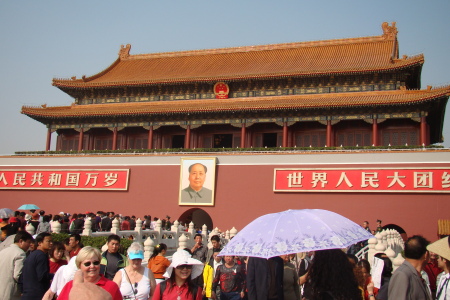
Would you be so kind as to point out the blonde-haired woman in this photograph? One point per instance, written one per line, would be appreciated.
(158, 263)
(135, 280)
(88, 261)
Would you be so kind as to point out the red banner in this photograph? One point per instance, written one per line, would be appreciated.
(50, 179)
(386, 180)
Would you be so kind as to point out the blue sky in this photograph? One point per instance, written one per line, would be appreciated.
(42, 40)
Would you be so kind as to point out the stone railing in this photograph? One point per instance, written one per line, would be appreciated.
(388, 241)
(175, 238)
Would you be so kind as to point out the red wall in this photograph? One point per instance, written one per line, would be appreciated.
(243, 192)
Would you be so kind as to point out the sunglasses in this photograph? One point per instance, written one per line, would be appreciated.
(181, 267)
(88, 263)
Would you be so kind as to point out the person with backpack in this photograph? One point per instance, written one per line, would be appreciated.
(179, 284)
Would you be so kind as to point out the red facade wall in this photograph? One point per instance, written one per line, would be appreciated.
(243, 192)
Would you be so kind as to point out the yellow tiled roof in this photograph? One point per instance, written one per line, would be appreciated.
(299, 102)
(353, 55)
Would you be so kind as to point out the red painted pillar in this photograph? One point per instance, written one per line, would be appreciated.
(285, 135)
(375, 132)
(243, 132)
(423, 131)
(329, 133)
(49, 139)
(114, 145)
(80, 140)
(150, 138)
(187, 141)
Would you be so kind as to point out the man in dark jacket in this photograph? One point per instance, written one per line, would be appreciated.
(112, 261)
(265, 278)
(35, 272)
(107, 222)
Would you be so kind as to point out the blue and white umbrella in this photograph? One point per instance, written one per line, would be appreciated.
(28, 207)
(295, 231)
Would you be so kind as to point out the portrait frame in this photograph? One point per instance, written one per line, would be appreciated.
(186, 195)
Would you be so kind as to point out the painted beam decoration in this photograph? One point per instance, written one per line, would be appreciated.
(65, 179)
(383, 180)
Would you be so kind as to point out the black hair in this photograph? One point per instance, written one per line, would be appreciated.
(158, 249)
(114, 237)
(363, 263)
(338, 280)
(198, 234)
(55, 245)
(215, 238)
(41, 236)
(190, 167)
(46, 218)
(22, 235)
(353, 257)
(76, 236)
(387, 268)
(416, 247)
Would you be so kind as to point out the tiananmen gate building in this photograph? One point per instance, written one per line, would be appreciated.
(354, 92)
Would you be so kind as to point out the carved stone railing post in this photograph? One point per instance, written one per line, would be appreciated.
(158, 229)
(182, 242)
(397, 261)
(205, 234)
(138, 230)
(115, 226)
(233, 232)
(87, 231)
(56, 227)
(371, 252)
(149, 247)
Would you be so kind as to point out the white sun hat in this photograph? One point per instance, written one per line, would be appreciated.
(182, 257)
(441, 247)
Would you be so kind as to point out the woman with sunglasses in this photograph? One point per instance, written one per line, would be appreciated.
(179, 284)
(88, 261)
(135, 280)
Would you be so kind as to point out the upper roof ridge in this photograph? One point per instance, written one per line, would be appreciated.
(241, 49)
(389, 33)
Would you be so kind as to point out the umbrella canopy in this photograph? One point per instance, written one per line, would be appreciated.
(28, 207)
(294, 231)
(6, 213)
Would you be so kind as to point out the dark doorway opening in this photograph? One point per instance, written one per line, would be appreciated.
(197, 216)
(269, 140)
(223, 141)
(178, 141)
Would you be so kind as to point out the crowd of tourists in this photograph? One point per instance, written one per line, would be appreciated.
(35, 267)
(74, 223)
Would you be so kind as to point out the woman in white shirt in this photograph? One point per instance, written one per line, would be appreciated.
(135, 280)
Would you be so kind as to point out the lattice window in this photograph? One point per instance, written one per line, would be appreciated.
(395, 138)
(413, 138)
(403, 138)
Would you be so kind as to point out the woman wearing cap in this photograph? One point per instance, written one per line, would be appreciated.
(179, 286)
(88, 261)
(135, 281)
